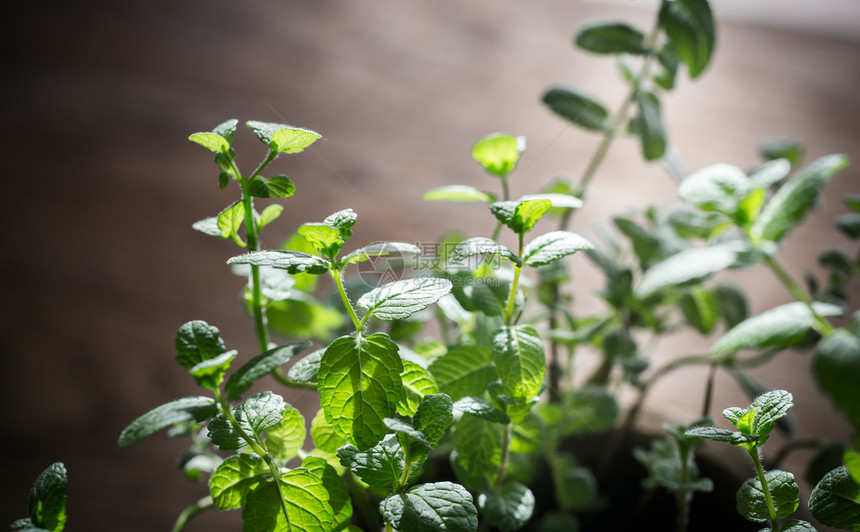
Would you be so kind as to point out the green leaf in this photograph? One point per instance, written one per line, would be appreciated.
(433, 417)
(464, 371)
(292, 261)
(852, 462)
(436, 507)
(779, 327)
(732, 303)
(792, 525)
(520, 216)
(508, 509)
(338, 493)
(197, 341)
(417, 383)
(577, 107)
(284, 439)
(482, 409)
(700, 308)
(610, 38)
(559, 201)
(719, 187)
(254, 415)
(269, 215)
(207, 226)
(768, 408)
(324, 435)
(379, 249)
(688, 265)
(518, 353)
(849, 224)
(782, 148)
(498, 153)
(835, 501)
(837, 368)
(305, 499)
(783, 490)
(718, 434)
(690, 25)
(279, 186)
(380, 466)
(459, 194)
(307, 369)
(588, 410)
(282, 138)
(401, 299)
(210, 373)
(769, 173)
(550, 247)
(795, 198)
(478, 451)
(648, 125)
(303, 317)
(211, 141)
(408, 436)
(237, 475)
(48, 498)
(260, 366)
(343, 221)
(230, 220)
(482, 246)
(324, 238)
(360, 385)
(177, 411)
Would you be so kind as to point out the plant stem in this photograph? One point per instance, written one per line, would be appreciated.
(338, 281)
(203, 504)
(771, 510)
(509, 313)
(252, 236)
(821, 325)
(503, 462)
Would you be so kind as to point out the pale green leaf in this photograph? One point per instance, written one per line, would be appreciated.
(284, 439)
(550, 247)
(324, 435)
(778, 327)
(837, 369)
(577, 107)
(783, 490)
(559, 201)
(508, 509)
(460, 194)
(380, 249)
(769, 173)
(260, 366)
(417, 383)
(518, 353)
(282, 138)
(230, 220)
(436, 507)
(339, 498)
(208, 226)
(719, 187)
(603, 37)
(237, 475)
(305, 499)
(498, 153)
(324, 238)
(360, 385)
(177, 411)
(690, 25)
(211, 141)
(464, 371)
(852, 462)
(401, 299)
(835, 501)
(269, 215)
(688, 265)
(292, 261)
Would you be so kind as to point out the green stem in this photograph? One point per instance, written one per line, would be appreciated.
(279, 376)
(506, 193)
(509, 313)
(771, 509)
(503, 461)
(338, 280)
(252, 236)
(821, 325)
(203, 504)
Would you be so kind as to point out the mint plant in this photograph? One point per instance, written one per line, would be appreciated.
(47, 502)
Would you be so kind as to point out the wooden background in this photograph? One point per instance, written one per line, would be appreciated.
(100, 266)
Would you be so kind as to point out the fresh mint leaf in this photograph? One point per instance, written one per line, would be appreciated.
(550, 247)
(197, 341)
(305, 499)
(795, 198)
(482, 409)
(208, 226)
(768, 408)
(292, 261)
(360, 385)
(783, 490)
(498, 153)
(718, 434)
(518, 353)
(343, 221)
(436, 507)
(560, 201)
(719, 188)
(520, 216)
(648, 125)
(688, 265)
(782, 148)
(792, 525)
(837, 368)
(700, 308)
(417, 383)
(459, 194)
(254, 415)
(732, 303)
(279, 186)
(577, 107)
(690, 25)
(380, 466)
(338, 494)
(307, 369)
(177, 411)
(508, 509)
(401, 299)
(230, 220)
(768, 174)
(324, 238)
(48, 499)
(282, 138)
(218, 140)
(835, 501)
(433, 417)
(380, 249)
(260, 366)
(848, 224)
(781, 326)
(323, 434)
(269, 215)
(478, 451)
(481, 246)
(237, 475)
(464, 371)
(852, 462)
(210, 373)
(285, 438)
(610, 38)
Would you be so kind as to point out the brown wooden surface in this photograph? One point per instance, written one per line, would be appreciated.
(100, 265)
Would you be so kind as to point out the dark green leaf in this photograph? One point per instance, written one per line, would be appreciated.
(519, 356)
(610, 38)
(778, 327)
(835, 501)
(498, 153)
(436, 507)
(305, 499)
(360, 385)
(433, 417)
(464, 371)
(792, 525)
(852, 201)
(783, 490)
(648, 125)
(837, 369)
(282, 138)
(478, 451)
(699, 306)
(237, 475)
(849, 224)
(177, 411)
(550, 247)
(279, 186)
(782, 148)
(508, 509)
(577, 107)
(48, 498)
(259, 366)
(732, 303)
(795, 198)
(292, 261)
(690, 25)
(401, 299)
(688, 265)
(197, 341)
(482, 409)
(307, 369)
(380, 466)
(459, 193)
(717, 434)
(254, 415)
